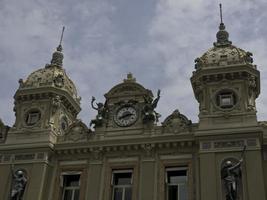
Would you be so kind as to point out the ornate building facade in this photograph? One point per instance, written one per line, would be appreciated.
(124, 154)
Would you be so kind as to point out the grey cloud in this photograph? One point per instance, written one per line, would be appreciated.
(157, 40)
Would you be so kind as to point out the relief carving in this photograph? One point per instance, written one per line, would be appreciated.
(149, 149)
(77, 131)
(59, 80)
(176, 123)
(251, 92)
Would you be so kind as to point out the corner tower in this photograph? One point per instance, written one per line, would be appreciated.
(226, 84)
(45, 103)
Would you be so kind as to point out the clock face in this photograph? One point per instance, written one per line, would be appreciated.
(125, 116)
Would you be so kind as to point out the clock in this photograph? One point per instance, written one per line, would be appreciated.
(125, 116)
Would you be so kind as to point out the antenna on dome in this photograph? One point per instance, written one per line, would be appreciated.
(59, 48)
(221, 13)
(57, 57)
(62, 34)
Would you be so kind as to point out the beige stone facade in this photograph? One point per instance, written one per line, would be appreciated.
(125, 153)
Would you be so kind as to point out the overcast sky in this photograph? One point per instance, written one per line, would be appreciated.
(156, 40)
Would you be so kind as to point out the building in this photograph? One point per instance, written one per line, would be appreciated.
(126, 155)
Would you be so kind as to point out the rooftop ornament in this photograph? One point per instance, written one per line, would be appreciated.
(222, 35)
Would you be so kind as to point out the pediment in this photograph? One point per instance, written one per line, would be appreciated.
(77, 131)
(176, 123)
(127, 89)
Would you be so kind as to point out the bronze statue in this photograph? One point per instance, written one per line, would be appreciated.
(149, 109)
(101, 112)
(19, 181)
(231, 174)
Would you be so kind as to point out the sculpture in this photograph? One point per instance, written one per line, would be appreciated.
(101, 113)
(3, 130)
(231, 174)
(19, 181)
(149, 109)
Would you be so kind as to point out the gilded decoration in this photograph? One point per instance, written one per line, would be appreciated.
(52, 75)
(224, 53)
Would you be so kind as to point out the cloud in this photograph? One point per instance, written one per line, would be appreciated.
(157, 40)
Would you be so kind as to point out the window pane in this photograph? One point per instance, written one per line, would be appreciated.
(122, 178)
(71, 180)
(76, 194)
(179, 176)
(173, 192)
(182, 192)
(226, 100)
(128, 194)
(117, 194)
(67, 194)
(33, 117)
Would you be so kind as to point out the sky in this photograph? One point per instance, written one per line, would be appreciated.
(156, 40)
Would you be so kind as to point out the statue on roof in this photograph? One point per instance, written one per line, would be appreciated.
(149, 108)
(3, 130)
(102, 112)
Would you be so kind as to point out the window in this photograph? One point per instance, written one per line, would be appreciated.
(122, 184)
(63, 124)
(33, 117)
(176, 183)
(71, 186)
(226, 99)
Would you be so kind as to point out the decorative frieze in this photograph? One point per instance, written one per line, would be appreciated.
(24, 157)
(228, 145)
(148, 148)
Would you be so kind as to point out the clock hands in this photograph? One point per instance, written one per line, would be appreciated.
(126, 115)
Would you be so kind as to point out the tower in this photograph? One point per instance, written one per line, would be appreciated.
(46, 103)
(226, 84)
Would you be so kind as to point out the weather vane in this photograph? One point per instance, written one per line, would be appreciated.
(221, 13)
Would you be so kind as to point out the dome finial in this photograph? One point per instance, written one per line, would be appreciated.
(221, 13)
(57, 58)
(222, 35)
(130, 78)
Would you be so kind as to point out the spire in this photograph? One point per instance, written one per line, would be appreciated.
(57, 57)
(222, 35)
